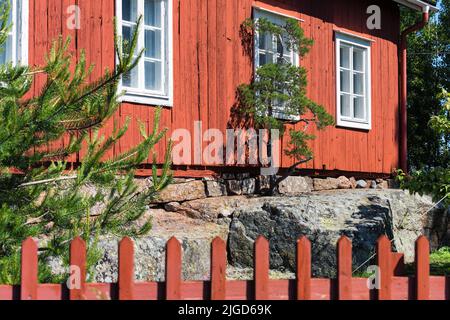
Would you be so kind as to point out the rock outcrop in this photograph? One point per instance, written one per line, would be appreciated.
(360, 215)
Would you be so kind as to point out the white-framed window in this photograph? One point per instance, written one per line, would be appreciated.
(269, 48)
(353, 77)
(151, 81)
(15, 49)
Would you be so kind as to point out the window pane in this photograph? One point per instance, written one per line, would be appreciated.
(152, 13)
(153, 44)
(2, 3)
(345, 81)
(345, 105)
(358, 83)
(359, 108)
(281, 50)
(358, 59)
(153, 75)
(345, 57)
(6, 51)
(129, 10)
(266, 42)
(7, 47)
(265, 58)
(127, 33)
(131, 79)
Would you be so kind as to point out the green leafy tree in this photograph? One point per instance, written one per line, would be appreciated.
(433, 180)
(428, 74)
(41, 196)
(428, 105)
(277, 94)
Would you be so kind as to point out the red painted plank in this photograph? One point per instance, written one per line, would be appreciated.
(439, 288)
(49, 292)
(78, 266)
(303, 269)
(385, 270)
(126, 269)
(237, 290)
(261, 271)
(218, 269)
(422, 269)
(98, 291)
(173, 269)
(321, 289)
(146, 291)
(209, 63)
(29, 270)
(344, 266)
(6, 293)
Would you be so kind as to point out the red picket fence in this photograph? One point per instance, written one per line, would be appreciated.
(345, 287)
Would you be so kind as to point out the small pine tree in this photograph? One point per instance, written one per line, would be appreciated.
(277, 94)
(41, 195)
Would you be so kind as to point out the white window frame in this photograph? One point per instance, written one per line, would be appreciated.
(274, 18)
(365, 44)
(19, 31)
(280, 19)
(141, 95)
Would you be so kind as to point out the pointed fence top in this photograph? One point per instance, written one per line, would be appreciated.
(29, 243)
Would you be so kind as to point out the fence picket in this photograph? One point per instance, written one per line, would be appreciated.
(303, 269)
(420, 287)
(384, 258)
(218, 269)
(29, 270)
(173, 269)
(344, 266)
(261, 268)
(422, 268)
(78, 261)
(126, 269)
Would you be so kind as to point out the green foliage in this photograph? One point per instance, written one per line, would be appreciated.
(41, 195)
(433, 180)
(280, 88)
(440, 262)
(441, 122)
(429, 105)
(428, 74)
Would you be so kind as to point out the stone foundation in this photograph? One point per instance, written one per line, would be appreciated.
(183, 190)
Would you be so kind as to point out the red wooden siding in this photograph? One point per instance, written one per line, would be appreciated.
(209, 63)
(422, 286)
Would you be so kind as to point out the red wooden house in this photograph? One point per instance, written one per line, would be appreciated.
(194, 62)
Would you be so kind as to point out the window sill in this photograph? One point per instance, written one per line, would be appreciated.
(285, 117)
(147, 100)
(354, 125)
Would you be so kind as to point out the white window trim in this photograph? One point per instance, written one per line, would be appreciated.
(19, 31)
(274, 17)
(365, 44)
(147, 97)
(263, 9)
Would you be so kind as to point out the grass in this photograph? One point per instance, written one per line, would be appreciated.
(440, 262)
(439, 265)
